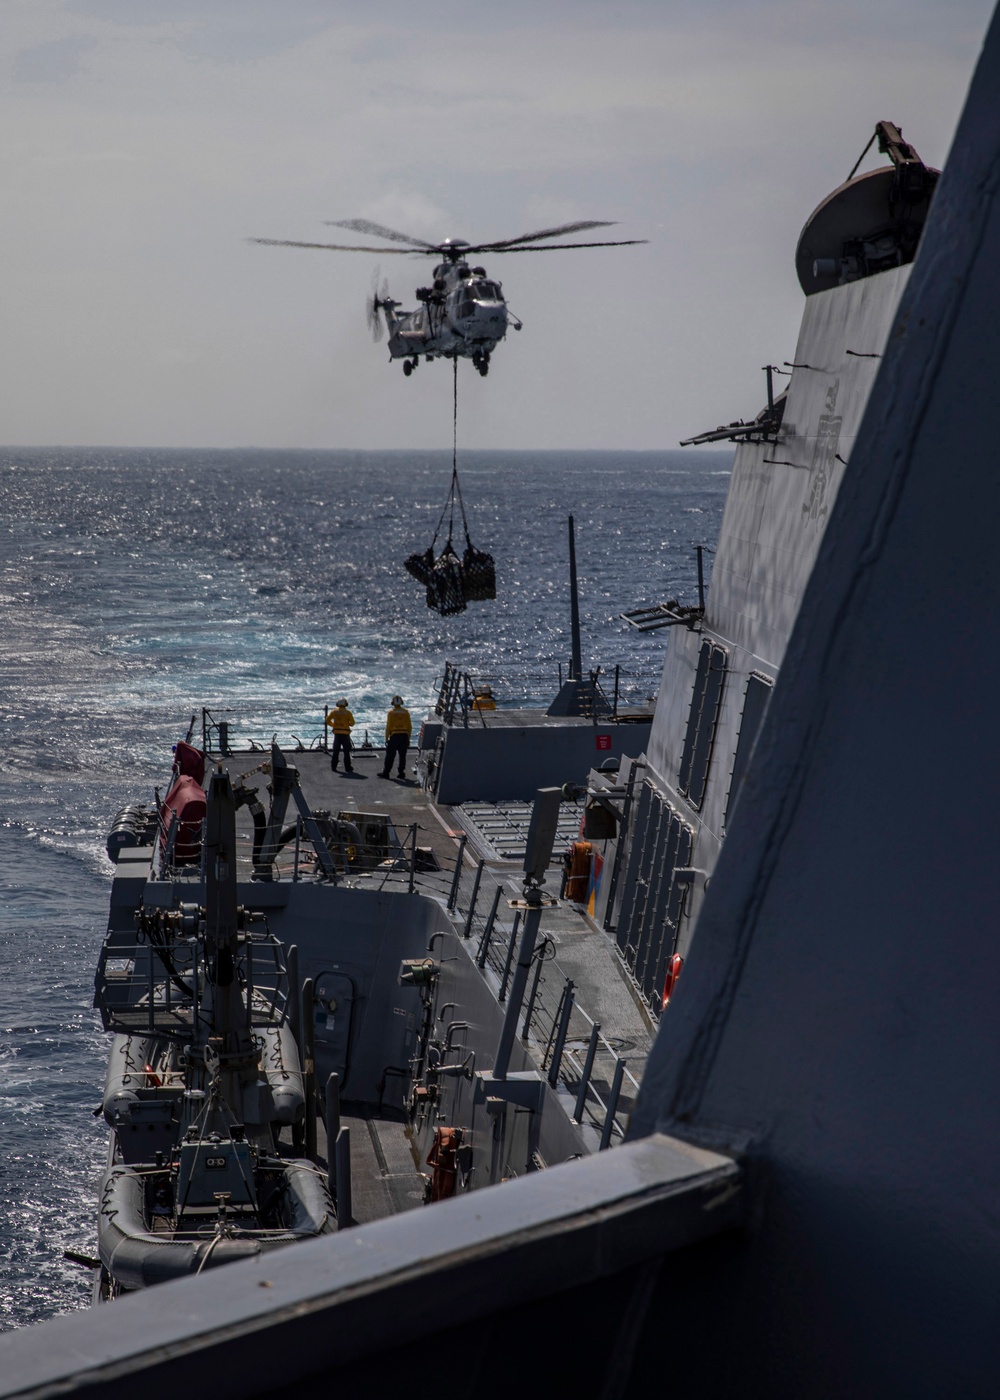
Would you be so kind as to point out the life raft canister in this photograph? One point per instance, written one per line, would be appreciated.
(189, 761)
(670, 980)
(184, 805)
(578, 871)
(443, 1158)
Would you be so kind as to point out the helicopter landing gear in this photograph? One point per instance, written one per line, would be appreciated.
(481, 360)
(408, 367)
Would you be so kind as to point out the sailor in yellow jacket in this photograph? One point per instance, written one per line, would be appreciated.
(398, 728)
(341, 721)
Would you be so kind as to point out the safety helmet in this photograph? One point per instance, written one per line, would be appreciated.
(397, 700)
(341, 704)
(486, 690)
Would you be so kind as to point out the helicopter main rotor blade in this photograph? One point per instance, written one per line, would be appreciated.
(579, 227)
(556, 247)
(380, 231)
(336, 247)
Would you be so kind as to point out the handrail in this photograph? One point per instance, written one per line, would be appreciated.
(548, 1027)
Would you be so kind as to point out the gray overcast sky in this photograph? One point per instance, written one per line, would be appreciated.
(145, 139)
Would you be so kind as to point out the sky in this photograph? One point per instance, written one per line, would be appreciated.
(147, 140)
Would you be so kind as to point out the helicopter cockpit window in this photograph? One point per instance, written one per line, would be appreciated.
(487, 291)
(466, 308)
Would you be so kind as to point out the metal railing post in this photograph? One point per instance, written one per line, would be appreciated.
(309, 1064)
(342, 1154)
(298, 840)
(616, 1088)
(168, 853)
(473, 898)
(293, 1009)
(248, 945)
(588, 1069)
(484, 942)
(540, 959)
(510, 957)
(151, 990)
(413, 855)
(453, 894)
(557, 1049)
(531, 922)
(332, 1131)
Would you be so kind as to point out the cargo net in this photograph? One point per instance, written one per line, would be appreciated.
(453, 582)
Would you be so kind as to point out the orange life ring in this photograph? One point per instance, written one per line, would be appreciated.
(670, 980)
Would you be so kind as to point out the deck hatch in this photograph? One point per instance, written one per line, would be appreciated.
(702, 721)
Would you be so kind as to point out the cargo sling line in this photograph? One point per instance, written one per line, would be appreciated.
(456, 486)
(453, 583)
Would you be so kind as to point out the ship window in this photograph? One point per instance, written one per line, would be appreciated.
(702, 721)
(758, 692)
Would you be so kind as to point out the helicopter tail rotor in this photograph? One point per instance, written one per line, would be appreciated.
(374, 303)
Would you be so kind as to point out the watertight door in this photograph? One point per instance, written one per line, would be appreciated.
(334, 1005)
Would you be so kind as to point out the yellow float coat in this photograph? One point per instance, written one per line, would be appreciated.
(398, 722)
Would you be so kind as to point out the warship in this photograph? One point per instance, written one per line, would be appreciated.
(316, 997)
(783, 869)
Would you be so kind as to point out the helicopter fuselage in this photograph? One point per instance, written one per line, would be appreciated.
(462, 313)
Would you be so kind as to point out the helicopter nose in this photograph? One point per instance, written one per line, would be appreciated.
(490, 315)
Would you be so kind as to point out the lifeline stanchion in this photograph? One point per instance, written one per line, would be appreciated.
(484, 942)
(342, 1153)
(588, 1069)
(332, 1131)
(453, 894)
(557, 1049)
(539, 961)
(293, 1008)
(616, 1088)
(472, 900)
(309, 1065)
(413, 856)
(509, 1029)
(502, 995)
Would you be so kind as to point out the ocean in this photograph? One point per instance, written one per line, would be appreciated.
(140, 585)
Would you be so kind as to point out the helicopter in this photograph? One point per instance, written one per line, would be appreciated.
(463, 312)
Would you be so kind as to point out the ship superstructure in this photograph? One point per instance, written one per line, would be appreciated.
(678, 801)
